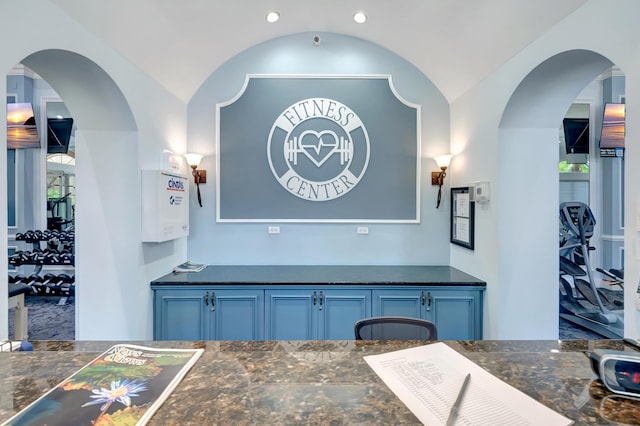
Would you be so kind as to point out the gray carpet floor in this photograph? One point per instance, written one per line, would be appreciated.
(50, 320)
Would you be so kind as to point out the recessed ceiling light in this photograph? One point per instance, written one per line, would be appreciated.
(272, 17)
(360, 17)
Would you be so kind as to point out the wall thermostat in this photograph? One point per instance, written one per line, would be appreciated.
(480, 193)
(618, 370)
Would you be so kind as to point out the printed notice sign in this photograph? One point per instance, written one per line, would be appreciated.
(462, 218)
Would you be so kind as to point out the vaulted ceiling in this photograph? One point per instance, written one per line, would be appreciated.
(455, 43)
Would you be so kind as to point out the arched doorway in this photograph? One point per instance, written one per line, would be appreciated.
(107, 136)
(528, 205)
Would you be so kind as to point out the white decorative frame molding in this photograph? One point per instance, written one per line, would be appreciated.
(393, 89)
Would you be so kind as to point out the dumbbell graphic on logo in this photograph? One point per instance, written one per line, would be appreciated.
(318, 147)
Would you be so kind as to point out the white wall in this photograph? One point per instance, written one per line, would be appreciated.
(513, 309)
(125, 120)
(400, 244)
(632, 200)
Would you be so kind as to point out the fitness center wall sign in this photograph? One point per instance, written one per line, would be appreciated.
(318, 149)
(311, 149)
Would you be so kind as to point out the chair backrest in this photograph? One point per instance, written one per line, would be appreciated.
(395, 328)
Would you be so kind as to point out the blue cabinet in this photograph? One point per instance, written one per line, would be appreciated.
(208, 313)
(310, 313)
(456, 312)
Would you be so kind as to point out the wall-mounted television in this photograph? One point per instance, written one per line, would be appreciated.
(58, 135)
(576, 135)
(612, 136)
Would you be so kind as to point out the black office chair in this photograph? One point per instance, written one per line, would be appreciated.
(395, 328)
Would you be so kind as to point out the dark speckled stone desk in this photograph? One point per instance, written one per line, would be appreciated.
(325, 382)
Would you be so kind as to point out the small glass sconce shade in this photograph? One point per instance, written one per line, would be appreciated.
(193, 159)
(443, 160)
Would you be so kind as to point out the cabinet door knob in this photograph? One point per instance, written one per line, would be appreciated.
(213, 300)
(422, 298)
(314, 298)
(321, 299)
(206, 298)
(429, 301)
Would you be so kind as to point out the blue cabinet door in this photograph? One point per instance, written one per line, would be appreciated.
(291, 314)
(457, 314)
(181, 314)
(339, 310)
(238, 314)
(399, 302)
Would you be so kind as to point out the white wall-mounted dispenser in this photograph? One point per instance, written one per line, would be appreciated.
(165, 206)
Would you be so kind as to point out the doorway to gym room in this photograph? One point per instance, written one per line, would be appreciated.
(41, 211)
(531, 121)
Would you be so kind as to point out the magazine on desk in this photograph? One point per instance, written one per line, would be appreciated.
(428, 380)
(123, 386)
(189, 267)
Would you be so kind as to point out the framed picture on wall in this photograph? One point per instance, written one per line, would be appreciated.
(462, 217)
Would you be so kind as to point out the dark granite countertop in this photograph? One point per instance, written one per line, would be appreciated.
(323, 274)
(325, 382)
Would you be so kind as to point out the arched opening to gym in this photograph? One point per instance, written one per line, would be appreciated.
(560, 88)
(60, 217)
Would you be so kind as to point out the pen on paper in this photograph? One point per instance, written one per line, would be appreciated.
(456, 405)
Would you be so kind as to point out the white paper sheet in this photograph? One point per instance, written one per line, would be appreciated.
(427, 380)
(461, 207)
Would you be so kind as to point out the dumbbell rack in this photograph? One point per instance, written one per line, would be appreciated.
(59, 250)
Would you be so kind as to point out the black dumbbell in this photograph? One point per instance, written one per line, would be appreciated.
(20, 278)
(68, 285)
(57, 284)
(35, 282)
(49, 283)
(67, 258)
(38, 257)
(52, 257)
(29, 236)
(15, 258)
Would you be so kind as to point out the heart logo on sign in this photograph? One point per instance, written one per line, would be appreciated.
(318, 146)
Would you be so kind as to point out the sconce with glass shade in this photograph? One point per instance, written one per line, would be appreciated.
(437, 178)
(199, 176)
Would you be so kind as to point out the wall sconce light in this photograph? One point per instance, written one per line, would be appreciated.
(199, 176)
(437, 178)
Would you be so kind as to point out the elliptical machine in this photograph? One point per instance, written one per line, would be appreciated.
(583, 303)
